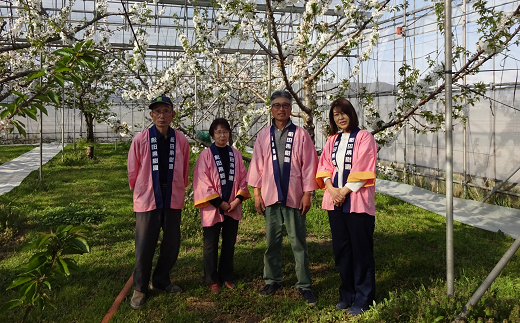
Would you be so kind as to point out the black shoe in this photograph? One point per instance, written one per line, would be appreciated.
(355, 311)
(342, 305)
(270, 289)
(308, 296)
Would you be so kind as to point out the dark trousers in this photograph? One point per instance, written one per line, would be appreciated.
(353, 246)
(214, 274)
(147, 228)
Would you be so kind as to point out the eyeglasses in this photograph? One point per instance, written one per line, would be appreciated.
(163, 112)
(285, 106)
(221, 133)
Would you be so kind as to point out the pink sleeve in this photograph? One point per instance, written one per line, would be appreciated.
(364, 167)
(310, 163)
(325, 166)
(256, 167)
(204, 189)
(133, 163)
(242, 184)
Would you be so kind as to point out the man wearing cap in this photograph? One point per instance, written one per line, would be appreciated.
(158, 163)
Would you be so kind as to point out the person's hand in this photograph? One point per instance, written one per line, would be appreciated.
(234, 205)
(259, 202)
(337, 197)
(305, 203)
(225, 206)
(345, 190)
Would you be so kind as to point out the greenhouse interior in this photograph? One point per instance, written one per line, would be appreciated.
(433, 83)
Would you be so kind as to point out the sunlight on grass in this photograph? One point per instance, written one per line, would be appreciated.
(409, 253)
(8, 153)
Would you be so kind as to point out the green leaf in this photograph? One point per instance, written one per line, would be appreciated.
(4, 114)
(30, 292)
(26, 289)
(64, 52)
(35, 262)
(61, 69)
(63, 266)
(19, 94)
(77, 246)
(53, 97)
(89, 43)
(42, 98)
(78, 46)
(10, 304)
(31, 245)
(77, 76)
(19, 126)
(31, 113)
(89, 59)
(43, 110)
(44, 239)
(47, 284)
(35, 75)
(59, 80)
(19, 281)
(73, 266)
(75, 79)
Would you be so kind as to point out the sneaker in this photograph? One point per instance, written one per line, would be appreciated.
(270, 289)
(229, 284)
(308, 296)
(355, 311)
(172, 288)
(215, 288)
(138, 300)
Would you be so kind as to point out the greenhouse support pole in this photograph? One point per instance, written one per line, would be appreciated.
(464, 125)
(74, 128)
(269, 66)
(489, 279)
(40, 173)
(405, 175)
(62, 127)
(449, 151)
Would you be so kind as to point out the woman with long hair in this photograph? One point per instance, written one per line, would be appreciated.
(347, 170)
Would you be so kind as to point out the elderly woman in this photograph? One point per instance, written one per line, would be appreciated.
(219, 184)
(347, 169)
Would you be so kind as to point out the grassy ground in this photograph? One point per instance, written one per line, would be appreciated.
(8, 153)
(409, 252)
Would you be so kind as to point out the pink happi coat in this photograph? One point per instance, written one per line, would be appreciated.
(363, 168)
(140, 172)
(304, 162)
(206, 186)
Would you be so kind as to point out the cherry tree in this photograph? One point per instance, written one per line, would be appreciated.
(323, 33)
(44, 52)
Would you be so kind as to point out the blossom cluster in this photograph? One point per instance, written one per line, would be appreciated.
(387, 170)
(121, 128)
(4, 127)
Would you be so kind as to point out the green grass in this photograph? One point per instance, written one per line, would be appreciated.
(8, 153)
(409, 252)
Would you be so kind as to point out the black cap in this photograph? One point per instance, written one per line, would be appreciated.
(161, 99)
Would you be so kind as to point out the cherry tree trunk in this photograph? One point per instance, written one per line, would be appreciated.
(309, 100)
(89, 120)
